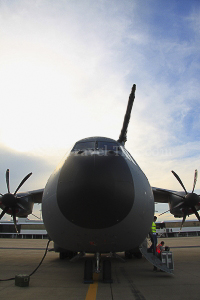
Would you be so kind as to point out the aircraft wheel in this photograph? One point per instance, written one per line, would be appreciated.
(138, 254)
(107, 278)
(128, 254)
(62, 255)
(88, 271)
(71, 254)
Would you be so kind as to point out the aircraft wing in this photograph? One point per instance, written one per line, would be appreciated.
(36, 195)
(180, 203)
(165, 196)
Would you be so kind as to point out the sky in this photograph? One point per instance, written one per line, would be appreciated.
(66, 72)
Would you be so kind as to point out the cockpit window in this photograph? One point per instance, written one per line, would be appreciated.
(96, 145)
(84, 145)
(108, 146)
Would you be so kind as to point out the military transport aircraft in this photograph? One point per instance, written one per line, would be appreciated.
(98, 200)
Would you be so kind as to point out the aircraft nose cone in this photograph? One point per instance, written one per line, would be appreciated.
(94, 191)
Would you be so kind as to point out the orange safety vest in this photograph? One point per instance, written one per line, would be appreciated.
(158, 250)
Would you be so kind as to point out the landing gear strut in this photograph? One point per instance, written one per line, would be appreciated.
(88, 270)
(97, 265)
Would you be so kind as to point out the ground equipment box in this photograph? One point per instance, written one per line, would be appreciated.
(22, 280)
(167, 259)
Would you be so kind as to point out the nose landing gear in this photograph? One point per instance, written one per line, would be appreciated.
(88, 270)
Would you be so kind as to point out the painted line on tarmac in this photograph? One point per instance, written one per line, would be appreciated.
(17, 248)
(92, 290)
(136, 293)
(184, 247)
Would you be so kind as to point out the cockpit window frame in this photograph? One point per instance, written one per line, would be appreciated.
(114, 146)
(97, 145)
(93, 143)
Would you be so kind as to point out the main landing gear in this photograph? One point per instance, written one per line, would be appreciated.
(133, 252)
(67, 254)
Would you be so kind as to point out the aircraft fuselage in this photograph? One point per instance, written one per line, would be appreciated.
(98, 199)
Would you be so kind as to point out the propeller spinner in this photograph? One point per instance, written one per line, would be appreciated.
(190, 200)
(10, 201)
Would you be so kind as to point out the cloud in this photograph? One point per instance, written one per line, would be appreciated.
(20, 164)
(66, 71)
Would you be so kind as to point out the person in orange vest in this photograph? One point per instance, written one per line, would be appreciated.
(160, 248)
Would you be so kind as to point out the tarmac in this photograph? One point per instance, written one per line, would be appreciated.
(62, 279)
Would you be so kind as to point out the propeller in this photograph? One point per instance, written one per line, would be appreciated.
(190, 200)
(10, 201)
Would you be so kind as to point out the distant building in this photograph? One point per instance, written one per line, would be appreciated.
(34, 229)
(172, 228)
(27, 229)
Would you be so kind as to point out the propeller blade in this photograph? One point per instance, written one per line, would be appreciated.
(195, 179)
(36, 216)
(164, 212)
(7, 180)
(22, 182)
(14, 219)
(3, 212)
(179, 205)
(195, 212)
(21, 206)
(184, 217)
(179, 180)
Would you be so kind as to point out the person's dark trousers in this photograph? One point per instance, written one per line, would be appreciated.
(153, 238)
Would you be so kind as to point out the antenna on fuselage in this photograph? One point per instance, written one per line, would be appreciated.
(123, 138)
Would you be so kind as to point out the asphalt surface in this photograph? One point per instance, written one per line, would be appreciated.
(62, 279)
